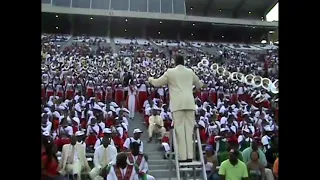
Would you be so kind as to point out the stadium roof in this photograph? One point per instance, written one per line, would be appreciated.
(231, 8)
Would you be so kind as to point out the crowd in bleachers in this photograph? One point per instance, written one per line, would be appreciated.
(89, 98)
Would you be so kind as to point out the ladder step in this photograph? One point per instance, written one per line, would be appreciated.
(193, 163)
(189, 169)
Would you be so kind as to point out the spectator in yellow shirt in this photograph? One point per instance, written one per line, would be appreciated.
(233, 168)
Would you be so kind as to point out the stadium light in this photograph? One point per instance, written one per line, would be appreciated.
(191, 8)
(91, 18)
(126, 20)
(191, 34)
(160, 22)
(57, 16)
(159, 32)
(193, 24)
(222, 36)
(271, 32)
(250, 37)
(249, 12)
(263, 42)
(125, 30)
(57, 27)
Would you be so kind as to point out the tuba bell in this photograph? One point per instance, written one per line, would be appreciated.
(240, 77)
(227, 74)
(214, 67)
(127, 61)
(234, 76)
(152, 72)
(205, 62)
(266, 82)
(220, 70)
(259, 98)
(200, 65)
(248, 79)
(257, 81)
(274, 87)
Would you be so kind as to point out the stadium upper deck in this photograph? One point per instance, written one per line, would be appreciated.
(234, 12)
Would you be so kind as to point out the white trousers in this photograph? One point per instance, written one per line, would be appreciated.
(94, 173)
(269, 174)
(154, 129)
(131, 105)
(73, 169)
(149, 177)
(184, 121)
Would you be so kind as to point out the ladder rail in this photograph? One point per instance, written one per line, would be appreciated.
(201, 154)
(173, 142)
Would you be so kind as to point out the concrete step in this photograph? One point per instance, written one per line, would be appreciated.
(165, 173)
(157, 162)
(157, 166)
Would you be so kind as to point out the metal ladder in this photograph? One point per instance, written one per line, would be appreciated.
(186, 167)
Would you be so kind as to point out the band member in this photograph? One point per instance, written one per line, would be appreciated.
(204, 94)
(119, 94)
(143, 95)
(99, 93)
(180, 80)
(136, 138)
(120, 171)
(109, 93)
(106, 133)
(155, 124)
(213, 94)
(59, 90)
(90, 88)
(43, 91)
(132, 99)
(139, 162)
(73, 159)
(69, 91)
(49, 90)
(103, 155)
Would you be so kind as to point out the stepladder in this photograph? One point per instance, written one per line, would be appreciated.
(187, 170)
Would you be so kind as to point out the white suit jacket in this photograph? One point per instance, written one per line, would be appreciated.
(180, 81)
(81, 154)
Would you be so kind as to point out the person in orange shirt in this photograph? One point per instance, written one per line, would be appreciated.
(276, 168)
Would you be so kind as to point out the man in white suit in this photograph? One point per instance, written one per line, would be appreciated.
(180, 81)
(155, 123)
(103, 155)
(73, 159)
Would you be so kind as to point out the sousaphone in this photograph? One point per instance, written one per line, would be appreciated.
(220, 70)
(240, 77)
(266, 82)
(259, 98)
(227, 74)
(152, 72)
(234, 76)
(205, 62)
(248, 79)
(127, 61)
(257, 81)
(214, 67)
(200, 65)
(274, 87)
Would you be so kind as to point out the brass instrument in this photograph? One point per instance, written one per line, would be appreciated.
(257, 81)
(220, 70)
(227, 74)
(274, 87)
(266, 82)
(205, 62)
(248, 79)
(240, 77)
(234, 76)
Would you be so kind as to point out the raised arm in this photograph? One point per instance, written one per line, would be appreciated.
(196, 81)
(161, 81)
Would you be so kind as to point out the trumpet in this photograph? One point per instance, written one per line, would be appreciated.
(200, 65)
(127, 61)
(257, 81)
(248, 79)
(152, 73)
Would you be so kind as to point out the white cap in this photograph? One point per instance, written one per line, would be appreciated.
(100, 103)
(79, 133)
(268, 128)
(97, 107)
(76, 120)
(46, 133)
(156, 108)
(137, 130)
(223, 129)
(246, 130)
(61, 107)
(107, 130)
(114, 104)
(201, 123)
